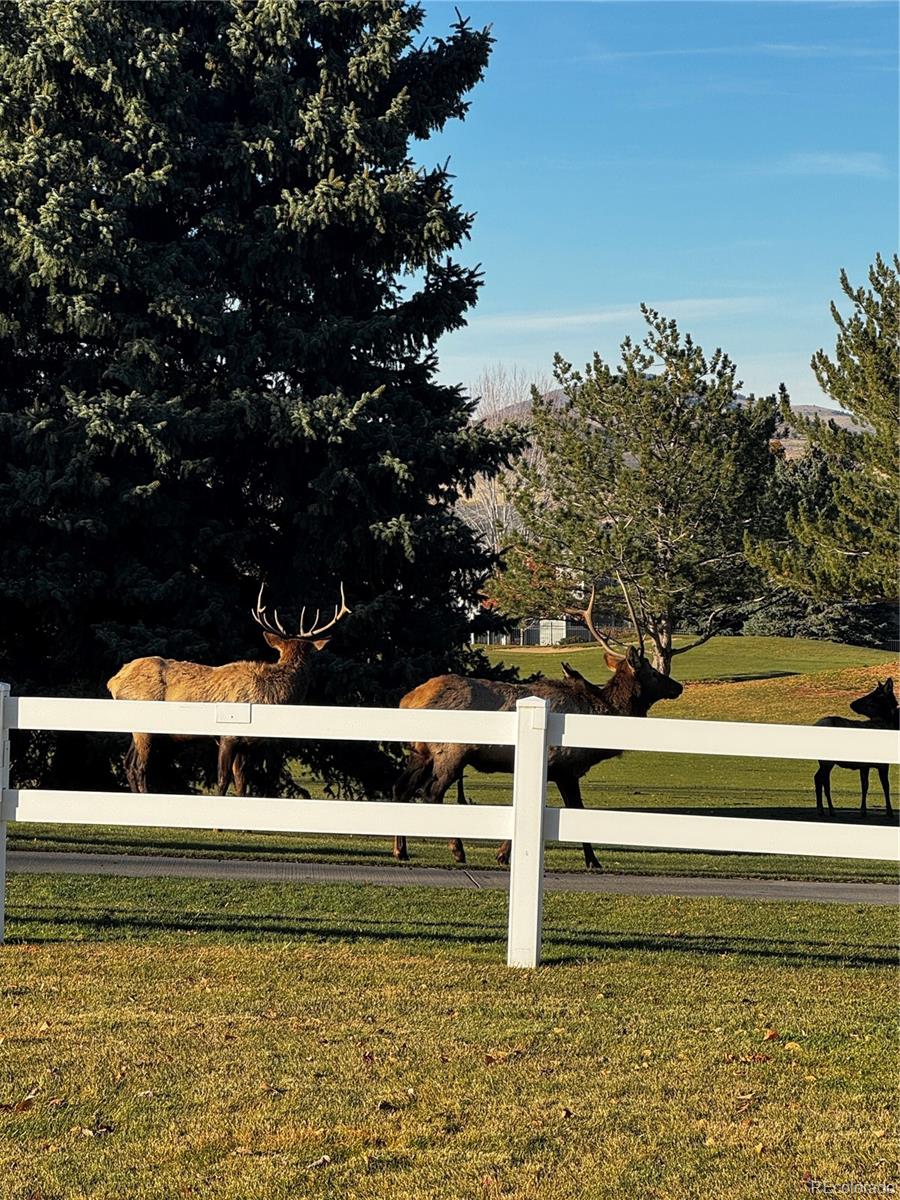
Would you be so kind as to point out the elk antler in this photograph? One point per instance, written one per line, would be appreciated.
(339, 611)
(631, 613)
(275, 626)
(587, 615)
(259, 616)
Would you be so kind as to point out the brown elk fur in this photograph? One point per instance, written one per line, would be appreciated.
(433, 766)
(283, 682)
(881, 711)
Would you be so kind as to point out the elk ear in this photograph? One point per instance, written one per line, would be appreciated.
(570, 672)
(613, 661)
(321, 643)
(273, 640)
(633, 658)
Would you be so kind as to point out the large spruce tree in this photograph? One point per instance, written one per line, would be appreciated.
(647, 474)
(843, 542)
(222, 278)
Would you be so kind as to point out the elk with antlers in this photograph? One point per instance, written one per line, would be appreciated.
(433, 766)
(283, 682)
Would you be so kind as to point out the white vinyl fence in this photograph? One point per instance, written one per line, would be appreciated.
(531, 729)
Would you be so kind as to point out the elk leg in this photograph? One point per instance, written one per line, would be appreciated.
(447, 767)
(239, 773)
(457, 849)
(418, 769)
(571, 797)
(137, 761)
(863, 787)
(227, 755)
(885, 777)
(822, 780)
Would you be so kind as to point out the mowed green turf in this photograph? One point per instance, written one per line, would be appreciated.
(163, 1038)
(721, 658)
(685, 783)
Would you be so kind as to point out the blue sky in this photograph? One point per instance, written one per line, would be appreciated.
(721, 161)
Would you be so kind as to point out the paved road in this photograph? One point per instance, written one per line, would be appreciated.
(396, 875)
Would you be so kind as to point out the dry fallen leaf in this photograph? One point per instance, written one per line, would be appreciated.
(771, 1035)
(319, 1162)
(22, 1105)
(792, 1046)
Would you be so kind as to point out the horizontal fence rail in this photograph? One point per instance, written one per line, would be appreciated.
(751, 835)
(300, 721)
(531, 730)
(735, 739)
(260, 813)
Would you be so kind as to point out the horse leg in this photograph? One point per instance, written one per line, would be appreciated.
(570, 791)
(863, 787)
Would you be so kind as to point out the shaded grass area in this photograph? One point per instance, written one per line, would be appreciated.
(709, 785)
(241, 1041)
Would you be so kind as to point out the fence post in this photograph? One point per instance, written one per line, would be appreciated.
(4, 788)
(526, 878)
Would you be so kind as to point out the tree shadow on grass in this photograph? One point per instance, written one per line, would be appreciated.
(561, 946)
(166, 847)
(846, 816)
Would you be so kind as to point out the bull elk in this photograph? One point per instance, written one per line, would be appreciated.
(433, 766)
(881, 711)
(283, 682)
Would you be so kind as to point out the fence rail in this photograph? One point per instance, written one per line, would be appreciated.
(532, 730)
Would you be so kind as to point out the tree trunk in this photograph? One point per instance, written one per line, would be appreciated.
(662, 646)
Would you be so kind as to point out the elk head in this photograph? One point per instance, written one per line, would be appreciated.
(632, 670)
(289, 643)
(878, 705)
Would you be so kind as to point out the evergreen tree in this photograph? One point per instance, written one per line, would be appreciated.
(648, 474)
(842, 543)
(222, 278)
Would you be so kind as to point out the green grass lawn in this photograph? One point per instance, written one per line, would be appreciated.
(684, 783)
(720, 658)
(164, 1038)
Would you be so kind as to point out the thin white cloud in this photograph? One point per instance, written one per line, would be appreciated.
(861, 163)
(767, 49)
(683, 309)
(812, 50)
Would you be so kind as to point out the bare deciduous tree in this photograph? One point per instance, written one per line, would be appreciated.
(504, 395)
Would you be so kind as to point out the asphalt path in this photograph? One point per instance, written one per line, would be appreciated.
(138, 866)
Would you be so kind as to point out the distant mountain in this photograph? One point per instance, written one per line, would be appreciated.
(791, 437)
(794, 440)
